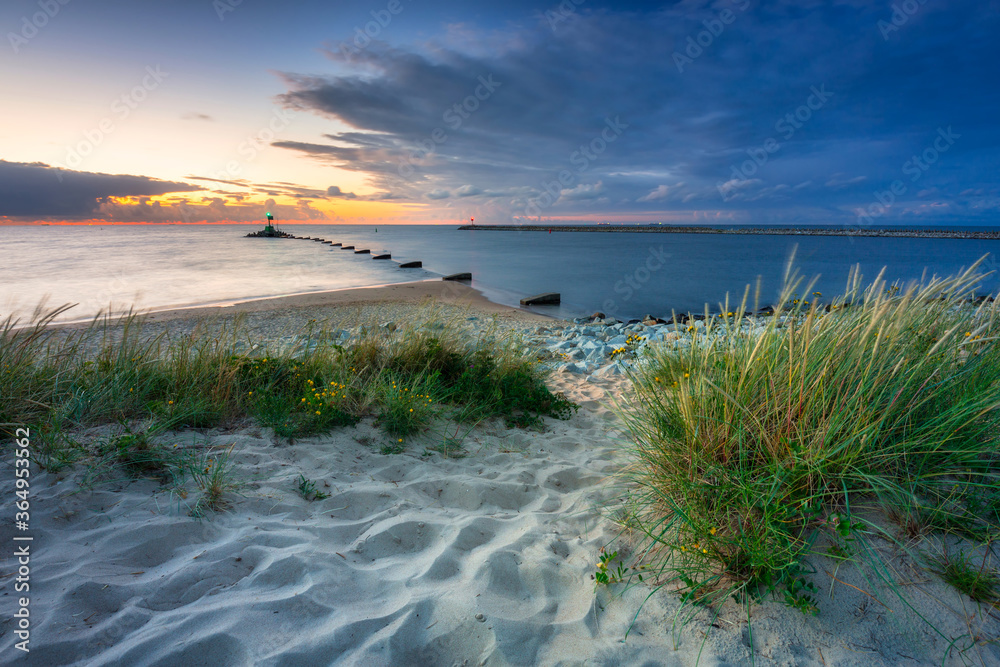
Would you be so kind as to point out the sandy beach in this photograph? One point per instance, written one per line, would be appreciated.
(418, 558)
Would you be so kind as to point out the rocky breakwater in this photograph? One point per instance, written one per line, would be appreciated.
(605, 348)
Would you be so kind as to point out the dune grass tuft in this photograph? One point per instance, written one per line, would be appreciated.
(751, 447)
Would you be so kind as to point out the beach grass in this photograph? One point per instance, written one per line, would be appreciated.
(431, 371)
(757, 450)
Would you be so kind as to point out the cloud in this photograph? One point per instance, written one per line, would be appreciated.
(662, 192)
(840, 181)
(582, 192)
(37, 191)
(422, 120)
(193, 115)
(335, 192)
(468, 191)
(438, 194)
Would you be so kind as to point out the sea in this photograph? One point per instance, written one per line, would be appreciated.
(625, 275)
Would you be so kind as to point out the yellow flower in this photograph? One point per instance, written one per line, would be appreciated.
(687, 375)
(711, 531)
(318, 412)
(171, 402)
(411, 409)
(401, 440)
(704, 551)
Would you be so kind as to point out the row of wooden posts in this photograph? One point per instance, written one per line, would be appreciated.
(549, 298)
(365, 251)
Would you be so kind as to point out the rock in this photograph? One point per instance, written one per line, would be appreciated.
(388, 326)
(458, 276)
(610, 322)
(363, 251)
(384, 256)
(597, 316)
(573, 368)
(548, 298)
(411, 265)
(610, 370)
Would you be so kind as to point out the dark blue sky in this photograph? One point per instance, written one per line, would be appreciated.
(848, 112)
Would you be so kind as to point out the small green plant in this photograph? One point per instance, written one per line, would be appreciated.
(211, 471)
(308, 490)
(978, 582)
(54, 449)
(449, 447)
(606, 575)
(407, 407)
(137, 454)
(395, 447)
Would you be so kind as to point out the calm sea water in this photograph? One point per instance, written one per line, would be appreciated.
(622, 274)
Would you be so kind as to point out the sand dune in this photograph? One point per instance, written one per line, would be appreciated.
(419, 559)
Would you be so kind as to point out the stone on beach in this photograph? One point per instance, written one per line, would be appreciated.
(548, 298)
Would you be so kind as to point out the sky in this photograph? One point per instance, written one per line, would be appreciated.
(735, 112)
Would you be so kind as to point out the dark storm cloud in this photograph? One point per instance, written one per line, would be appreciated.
(36, 190)
(784, 110)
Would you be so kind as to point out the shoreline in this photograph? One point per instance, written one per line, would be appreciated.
(323, 305)
(756, 231)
